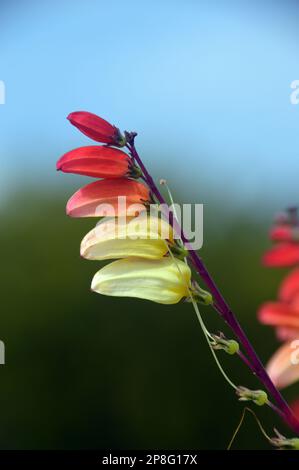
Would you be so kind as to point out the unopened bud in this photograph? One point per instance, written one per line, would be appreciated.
(284, 233)
(282, 442)
(259, 397)
(230, 346)
(200, 295)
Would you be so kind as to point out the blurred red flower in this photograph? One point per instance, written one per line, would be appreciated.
(282, 255)
(282, 370)
(281, 233)
(284, 314)
(289, 287)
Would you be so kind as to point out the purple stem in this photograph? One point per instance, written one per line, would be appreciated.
(224, 310)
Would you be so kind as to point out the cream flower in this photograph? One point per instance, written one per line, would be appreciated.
(164, 281)
(144, 236)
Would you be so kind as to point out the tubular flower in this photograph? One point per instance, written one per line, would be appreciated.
(144, 236)
(109, 197)
(284, 314)
(283, 254)
(290, 286)
(283, 367)
(164, 281)
(284, 317)
(284, 233)
(96, 161)
(96, 128)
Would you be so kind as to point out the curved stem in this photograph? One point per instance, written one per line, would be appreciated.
(203, 326)
(205, 332)
(240, 424)
(222, 307)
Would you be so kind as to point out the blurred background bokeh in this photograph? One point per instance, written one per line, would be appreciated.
(207, 86)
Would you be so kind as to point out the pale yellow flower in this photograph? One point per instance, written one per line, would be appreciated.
(165, 281)
(144, 236)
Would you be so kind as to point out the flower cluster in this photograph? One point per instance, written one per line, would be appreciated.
(283, 314)
(149, 259)
(152, 254)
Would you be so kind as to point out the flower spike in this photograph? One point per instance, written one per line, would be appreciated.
(150, 269)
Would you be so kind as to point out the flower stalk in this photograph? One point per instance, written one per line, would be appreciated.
(142, 269)
(220, 305)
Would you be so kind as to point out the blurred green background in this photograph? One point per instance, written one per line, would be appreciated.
(207, 86)
(86, 371)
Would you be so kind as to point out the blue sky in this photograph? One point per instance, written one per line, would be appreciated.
(205, 83)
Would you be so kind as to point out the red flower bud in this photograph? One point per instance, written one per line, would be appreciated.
(282, 233)
(290, 286)
(102, 198)
(96, 161)
(96, 128)
(282, 255)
